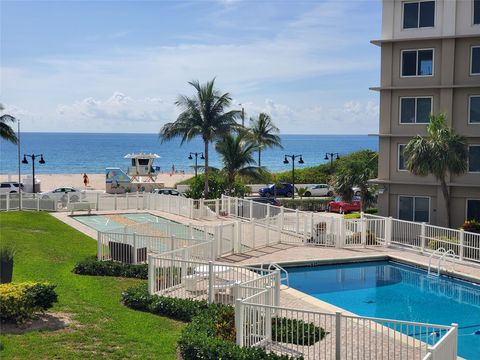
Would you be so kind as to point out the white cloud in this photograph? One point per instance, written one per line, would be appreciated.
(72, 92)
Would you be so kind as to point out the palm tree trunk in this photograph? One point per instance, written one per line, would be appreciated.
(446, 196)
(259, 153)
(205, 191)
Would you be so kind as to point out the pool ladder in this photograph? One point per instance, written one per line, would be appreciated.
(275, 266)
(443, 256)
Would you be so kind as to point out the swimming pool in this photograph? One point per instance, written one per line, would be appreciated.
(392, 290)
(105, 223)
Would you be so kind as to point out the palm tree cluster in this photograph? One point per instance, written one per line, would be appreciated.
(206, 114)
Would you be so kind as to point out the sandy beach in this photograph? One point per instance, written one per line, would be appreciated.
(97, 181)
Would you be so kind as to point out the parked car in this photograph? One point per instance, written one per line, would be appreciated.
(62, 194)
(168, 191)
(281, 189)
(319, 190)
(343, 207)
(9, 187)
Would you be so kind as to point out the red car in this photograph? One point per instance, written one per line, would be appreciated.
(342, 207)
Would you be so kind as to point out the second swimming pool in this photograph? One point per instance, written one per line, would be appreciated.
(392, 290)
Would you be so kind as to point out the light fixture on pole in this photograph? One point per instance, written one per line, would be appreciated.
(33, 157)
(202, 157)
(300, 161)
(331, 155)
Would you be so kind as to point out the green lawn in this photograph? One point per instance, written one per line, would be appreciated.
(47, 249)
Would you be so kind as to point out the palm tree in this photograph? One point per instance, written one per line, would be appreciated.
(440, 153)
(236, 152)
(202, 115)
(264, 134)
(356, 170)
(6, 131)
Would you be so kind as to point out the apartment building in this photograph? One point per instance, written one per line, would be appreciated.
(430, 63)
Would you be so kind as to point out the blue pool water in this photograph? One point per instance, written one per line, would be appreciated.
(396, 291)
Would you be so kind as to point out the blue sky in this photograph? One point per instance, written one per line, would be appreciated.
(117, 66)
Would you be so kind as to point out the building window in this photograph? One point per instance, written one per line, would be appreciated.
(475, 61)
(401, 157)
(417, 62)
(473, 209)
(418, 14)
(474, 109)
(476, 12)
(415, 110)
(414, 208)
(474, 158)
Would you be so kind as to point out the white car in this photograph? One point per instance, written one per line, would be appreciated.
(9, 187)
(65, 193)
(319, 190)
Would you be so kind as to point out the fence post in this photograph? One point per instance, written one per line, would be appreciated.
(217, 207)
(267, 230)
(251, 210)
(422, 238)
(20, 200)
(363, 223)
(211, 295)
(297, 221)
(135, 260)
(282, 214)
(8, 201)
(99, 246)
(236, 207)
(115, 201)
(253, 234)
(268, 211)
(136, 198)
(228, 206)
(278, 284)
(388, 231)
(239, 321)
(461, 243)
(151, 275)
(238, 237)
(341, 233)
(38, 202)
(268, 313)
(338, 334)
(98, 201)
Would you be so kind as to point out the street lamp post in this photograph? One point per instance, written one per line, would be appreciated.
(196, 159)
(243, 115)
(300, 161)
(33, 157)
(331, 155)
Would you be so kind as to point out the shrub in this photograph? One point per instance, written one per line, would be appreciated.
(138, 298)
(297, 332)
(217, 185)
(471, 226)
(371, 211)
(210, 335)
(91, 266)
(19, 302)
(305, 204)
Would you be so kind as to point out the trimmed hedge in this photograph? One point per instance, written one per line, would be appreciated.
(20, 301)
(210, 334)
(305, 204)
(91, 266)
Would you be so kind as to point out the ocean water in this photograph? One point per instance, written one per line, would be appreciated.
(71, 153)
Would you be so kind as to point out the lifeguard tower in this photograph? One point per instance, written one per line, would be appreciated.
(142, 169)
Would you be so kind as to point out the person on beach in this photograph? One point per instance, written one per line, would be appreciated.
(85, 179)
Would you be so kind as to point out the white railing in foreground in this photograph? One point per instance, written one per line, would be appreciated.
(318, 335)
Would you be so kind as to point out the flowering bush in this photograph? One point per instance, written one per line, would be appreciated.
(20, 301)
(471, 226)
